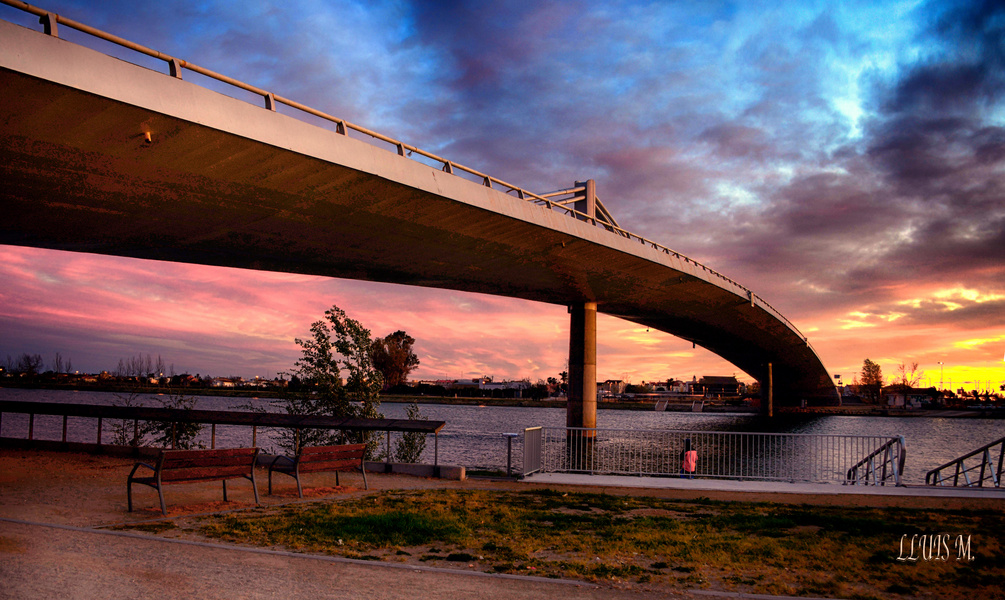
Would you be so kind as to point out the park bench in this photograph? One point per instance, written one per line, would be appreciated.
(190, 466)
(316, 459)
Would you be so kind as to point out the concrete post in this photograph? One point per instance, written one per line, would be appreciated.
(588, 205)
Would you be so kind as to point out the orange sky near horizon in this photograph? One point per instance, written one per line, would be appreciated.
(229, 321)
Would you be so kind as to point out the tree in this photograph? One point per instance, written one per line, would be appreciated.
(180, 435)
(337, 379)
(908, 375)
(409, 448)
(393, 357)
(29, 365)
(872, 379)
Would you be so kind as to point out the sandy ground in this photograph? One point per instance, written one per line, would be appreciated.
(57, 538)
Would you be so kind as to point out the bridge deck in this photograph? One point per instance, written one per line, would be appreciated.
(224, 182)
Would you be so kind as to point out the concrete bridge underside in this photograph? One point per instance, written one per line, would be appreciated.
(224, 182)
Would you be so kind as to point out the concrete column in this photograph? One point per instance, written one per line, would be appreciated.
(588, 205)
(582, 406)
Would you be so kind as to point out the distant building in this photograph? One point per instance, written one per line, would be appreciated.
(900, 396)
(505, 385)
(711, 386)
(613, 387)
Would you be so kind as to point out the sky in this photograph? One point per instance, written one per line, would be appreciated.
(846, 161)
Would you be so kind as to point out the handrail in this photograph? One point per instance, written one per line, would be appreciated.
(219, 417)
(988, 470)
(869, 472)
(51, 20)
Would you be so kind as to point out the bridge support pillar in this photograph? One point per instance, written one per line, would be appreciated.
(581, 410)
(768, 393)
(582, 406)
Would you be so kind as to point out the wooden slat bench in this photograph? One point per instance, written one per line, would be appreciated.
(190, 466)
(316, 459)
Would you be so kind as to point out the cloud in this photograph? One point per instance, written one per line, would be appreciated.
(839, 160)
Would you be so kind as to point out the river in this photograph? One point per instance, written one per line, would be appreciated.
(473, 436)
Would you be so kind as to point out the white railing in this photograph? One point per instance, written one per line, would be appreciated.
(985, 466)
(883, 464)
(721, 454)
(532, 437)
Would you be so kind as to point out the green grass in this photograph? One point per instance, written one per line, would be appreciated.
(759, 548)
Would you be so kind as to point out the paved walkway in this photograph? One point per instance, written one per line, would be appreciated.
(58, 538)
(763, 487)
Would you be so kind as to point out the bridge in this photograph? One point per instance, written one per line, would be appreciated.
(105, 156)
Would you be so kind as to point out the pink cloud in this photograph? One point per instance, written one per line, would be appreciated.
(97, 309)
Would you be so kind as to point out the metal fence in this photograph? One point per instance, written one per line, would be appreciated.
(724, 455)
(985, 465)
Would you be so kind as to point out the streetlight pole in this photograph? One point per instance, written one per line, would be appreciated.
(941, 366)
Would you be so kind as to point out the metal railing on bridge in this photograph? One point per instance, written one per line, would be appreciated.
(986, 468)
(791, 457)
(566, 197)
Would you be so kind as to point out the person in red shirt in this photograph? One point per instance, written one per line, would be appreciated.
(689, 460)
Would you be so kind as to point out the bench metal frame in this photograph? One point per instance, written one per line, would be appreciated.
(193, 466)
(317, 459)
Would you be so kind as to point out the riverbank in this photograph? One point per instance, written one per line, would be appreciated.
(868, 410)
(717, 406)
(685, 406)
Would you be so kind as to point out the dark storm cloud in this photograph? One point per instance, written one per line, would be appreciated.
(940, 148)
(955, 312)
(918, 201)
(971, 315)
(974, 74)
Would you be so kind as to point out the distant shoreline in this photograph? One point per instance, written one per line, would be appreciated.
(866, 410)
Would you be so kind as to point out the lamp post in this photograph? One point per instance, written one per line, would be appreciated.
(941, 366)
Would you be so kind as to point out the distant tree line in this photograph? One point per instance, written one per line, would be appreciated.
(32, 365)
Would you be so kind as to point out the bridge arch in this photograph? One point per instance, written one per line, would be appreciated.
(100, 155)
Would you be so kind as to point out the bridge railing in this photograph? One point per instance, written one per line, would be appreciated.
(790, 457)
(52, 21)
(987, 467)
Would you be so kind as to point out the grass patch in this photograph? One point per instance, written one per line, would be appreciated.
(749, 547)
(155, 527)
